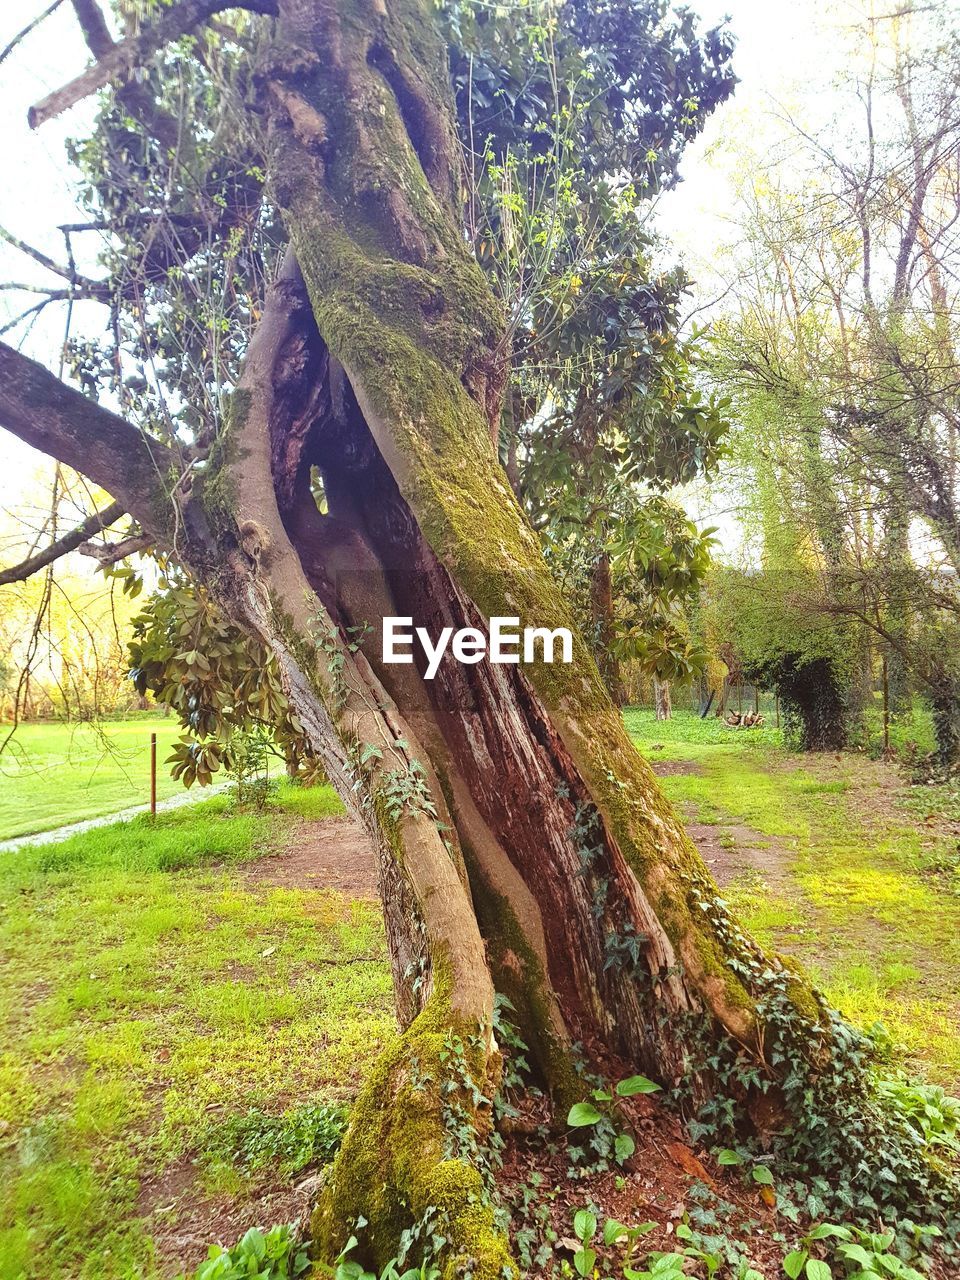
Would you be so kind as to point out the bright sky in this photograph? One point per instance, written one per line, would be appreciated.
(786, 57)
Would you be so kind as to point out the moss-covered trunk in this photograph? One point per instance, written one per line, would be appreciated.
(523, 843)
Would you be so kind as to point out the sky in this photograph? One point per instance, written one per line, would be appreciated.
(785, 59)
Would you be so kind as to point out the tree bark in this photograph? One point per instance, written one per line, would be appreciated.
(601, 600)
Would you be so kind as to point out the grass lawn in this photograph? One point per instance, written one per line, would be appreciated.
(840, 864)
(174, 1022)
(52, 774)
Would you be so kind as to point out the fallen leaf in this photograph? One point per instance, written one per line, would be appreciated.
(690, 1164)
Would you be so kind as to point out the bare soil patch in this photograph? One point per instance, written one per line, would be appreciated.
(673, 768)
(184, 1222)
(332, 853)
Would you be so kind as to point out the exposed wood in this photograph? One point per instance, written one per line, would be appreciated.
(113, 552)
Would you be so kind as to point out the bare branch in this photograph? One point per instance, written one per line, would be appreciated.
(135, 97)
(31, 26)
(59, 421)
(71, 541)
(110, 552)
(120, 61)
(35, 254)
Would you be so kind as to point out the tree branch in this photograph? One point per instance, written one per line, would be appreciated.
(44, 412)
(94, 27)
(99, 521)
(31, 26)
(136, 98)
(110, 552)
(120, 61)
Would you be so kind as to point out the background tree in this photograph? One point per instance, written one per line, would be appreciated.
(572, 129)
(842, 349)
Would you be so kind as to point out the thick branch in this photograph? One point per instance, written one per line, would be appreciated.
(94, 27)
(119, 62)
(59, 421)
(99, 521)
(134, 96)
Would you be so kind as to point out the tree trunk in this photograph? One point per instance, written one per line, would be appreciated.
(601, 602)
(522, 842)
(661, 699)
(523, 845)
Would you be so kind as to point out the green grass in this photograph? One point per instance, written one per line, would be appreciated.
(53, 774)
(685, 735)
(164, 1014)
(862, 882)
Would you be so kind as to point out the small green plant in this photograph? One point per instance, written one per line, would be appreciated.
(861, 1255)
(615, 1233)
(246, 758)
(584, 1228)
(276, 1254)
(758, 1172)
(301, 1136)
(927, 1108)
(659, 1266)
(347, 1268)
(602, 1118)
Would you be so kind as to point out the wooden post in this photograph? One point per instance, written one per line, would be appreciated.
(153, 774)
(776, 704)
(886, 708)
(756, 700)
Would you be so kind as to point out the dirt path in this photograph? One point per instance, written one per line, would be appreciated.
(731, 850)
(333, 853)
(745, 860)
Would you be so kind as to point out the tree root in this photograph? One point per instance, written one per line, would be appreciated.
(408, 1159)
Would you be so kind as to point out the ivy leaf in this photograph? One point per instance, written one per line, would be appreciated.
(762, 1175)
(727, 1157)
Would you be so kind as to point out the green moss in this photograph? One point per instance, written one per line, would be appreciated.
(215, 485)
(393, 1164)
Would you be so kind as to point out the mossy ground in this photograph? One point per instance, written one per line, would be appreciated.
(858, 874)
(152, 990)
